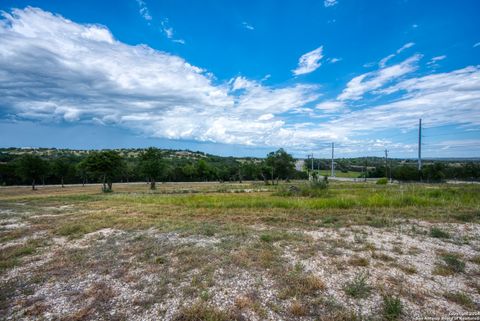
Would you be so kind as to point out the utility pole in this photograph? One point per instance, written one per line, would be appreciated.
(333, 163)
(366, 169)
(420, 144)
(386, 163)
(312, 162)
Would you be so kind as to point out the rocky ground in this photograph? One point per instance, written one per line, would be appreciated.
(415, 268)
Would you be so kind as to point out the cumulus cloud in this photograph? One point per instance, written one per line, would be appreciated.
(309, 62)
(370, 81)
(56, 70)
(53, 69)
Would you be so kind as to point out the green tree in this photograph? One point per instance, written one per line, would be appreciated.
(106, 165)
(151, 165)
(281, 165)
(61, 167)
(31, 167)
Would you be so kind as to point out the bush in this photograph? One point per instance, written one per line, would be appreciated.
(382, 181)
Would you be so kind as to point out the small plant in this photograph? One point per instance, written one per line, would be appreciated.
(382, 181)
(358, 287)
(359, 261)
(461, 299)
(439, 233)
(297, 309)
(392, 308)
(267, 238)
(451, 265)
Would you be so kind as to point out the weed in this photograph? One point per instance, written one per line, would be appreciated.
(392, 308)
(439, 233)
(451, 264)
(203, 312)
(358, 287)
(297, 309)
(359, 261)
(460, 298)
(382, 181)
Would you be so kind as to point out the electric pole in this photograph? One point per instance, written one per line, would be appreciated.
(333, 163)
(366, 169)
(386, 163)
(420, 144)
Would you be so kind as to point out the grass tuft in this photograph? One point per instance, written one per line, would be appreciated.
(392, 308)
(451, 265)
(460, 298)
(358, 287)
(439, 233)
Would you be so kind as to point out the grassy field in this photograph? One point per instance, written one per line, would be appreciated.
(210, 251)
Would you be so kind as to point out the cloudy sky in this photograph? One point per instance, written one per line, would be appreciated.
(242, 77)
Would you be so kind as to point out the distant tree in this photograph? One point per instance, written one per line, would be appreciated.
(281, 165)
(151, 165)
(31, 167)
(61, 167)
(82, 172)
(105, 164)
(204, 170)
(188, 170)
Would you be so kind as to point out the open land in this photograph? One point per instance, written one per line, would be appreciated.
(211, 251)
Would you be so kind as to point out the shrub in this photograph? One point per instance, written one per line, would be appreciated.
(382, 181)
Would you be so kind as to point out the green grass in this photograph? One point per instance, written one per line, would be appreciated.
(460, 298)
(451, 264)
(439, 233)
(358, 288)
(392, 308)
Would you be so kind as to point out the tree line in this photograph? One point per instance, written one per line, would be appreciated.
(151, 165)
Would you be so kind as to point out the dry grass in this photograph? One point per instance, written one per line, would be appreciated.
(197, 251)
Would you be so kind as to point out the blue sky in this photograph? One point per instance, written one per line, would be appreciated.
(242, 77)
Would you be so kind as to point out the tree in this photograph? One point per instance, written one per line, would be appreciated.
(31, 167)
(281, 165)
(61, 167)
(151, 165)
(104, 164)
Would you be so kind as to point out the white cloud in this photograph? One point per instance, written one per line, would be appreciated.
(405, 46)
(330, 106)
(88, 76)
(476, 45)
(309, 62)
(441, 99)
(334, 60)
(248, 26)
(434, 60)
(383, 62)
(143, 9)
(330, 3)
(373, 80)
